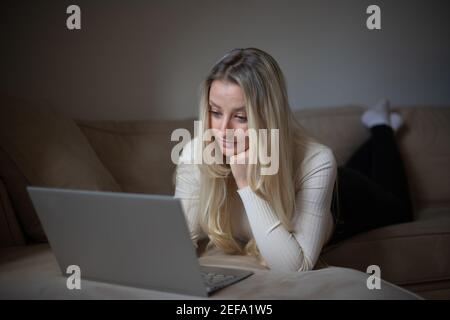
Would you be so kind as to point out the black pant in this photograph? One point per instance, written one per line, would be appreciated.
(372, 187)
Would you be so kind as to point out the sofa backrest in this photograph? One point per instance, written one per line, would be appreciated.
(137, 153)
(41, 148)
(47, 149)
(423, 142)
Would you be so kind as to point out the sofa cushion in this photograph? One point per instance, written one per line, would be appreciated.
(137, 153)
(50, 151)
(423, 143)
(407, 253)
(339, 128)
(434, 212)
(32, 272)
(426, 150)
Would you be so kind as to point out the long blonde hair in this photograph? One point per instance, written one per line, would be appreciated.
(267, 107)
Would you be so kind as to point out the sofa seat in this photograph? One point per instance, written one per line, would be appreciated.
(32, 272)
(413, 255)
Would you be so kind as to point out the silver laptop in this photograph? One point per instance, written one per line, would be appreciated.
(132, 239)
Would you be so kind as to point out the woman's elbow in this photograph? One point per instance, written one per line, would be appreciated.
(302, 264)
(305, 266)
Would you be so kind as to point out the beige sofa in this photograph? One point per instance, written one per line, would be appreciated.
(40, 147)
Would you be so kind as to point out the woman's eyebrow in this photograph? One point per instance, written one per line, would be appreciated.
(237, 109)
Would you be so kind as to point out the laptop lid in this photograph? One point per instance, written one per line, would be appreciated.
(131, 239)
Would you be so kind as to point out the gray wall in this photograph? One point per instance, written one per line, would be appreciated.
(145, 59)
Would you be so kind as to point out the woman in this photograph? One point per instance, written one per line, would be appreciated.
(283, 219)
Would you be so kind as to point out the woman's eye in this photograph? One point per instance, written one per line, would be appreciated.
(215, 113)
(241, 118)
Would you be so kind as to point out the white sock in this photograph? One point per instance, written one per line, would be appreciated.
(377, 114)
(396, 121)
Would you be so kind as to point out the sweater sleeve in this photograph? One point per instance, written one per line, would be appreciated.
(187, 190)
(313, 223)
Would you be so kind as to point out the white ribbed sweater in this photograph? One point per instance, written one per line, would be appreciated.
(252, 216)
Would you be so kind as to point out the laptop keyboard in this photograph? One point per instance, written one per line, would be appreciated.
(214, 279)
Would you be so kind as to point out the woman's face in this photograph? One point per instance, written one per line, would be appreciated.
(227, 111)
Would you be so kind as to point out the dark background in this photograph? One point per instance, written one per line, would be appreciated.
(145, 59)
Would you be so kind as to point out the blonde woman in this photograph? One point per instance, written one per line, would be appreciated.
(283, 219)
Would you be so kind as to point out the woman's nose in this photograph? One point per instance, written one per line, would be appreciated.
(226, 124)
